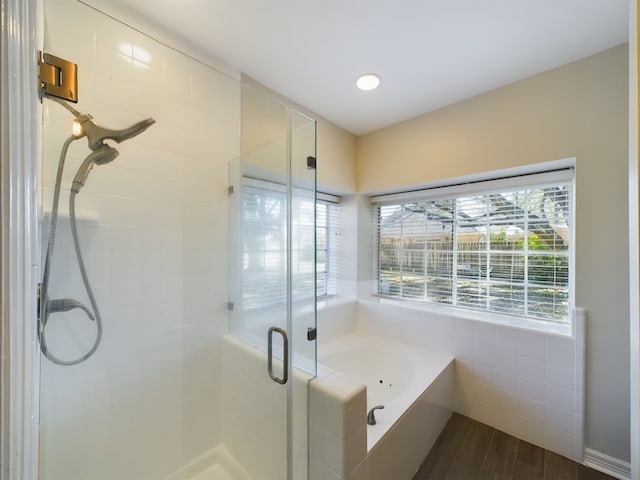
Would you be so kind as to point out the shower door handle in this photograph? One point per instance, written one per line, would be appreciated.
(285, 353)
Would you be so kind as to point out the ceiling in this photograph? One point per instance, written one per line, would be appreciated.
(429, 53)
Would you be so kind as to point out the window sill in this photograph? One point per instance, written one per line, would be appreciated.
(561, 329)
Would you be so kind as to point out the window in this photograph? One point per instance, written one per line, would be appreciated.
(264, 243)
(501, 246)
(328, 242)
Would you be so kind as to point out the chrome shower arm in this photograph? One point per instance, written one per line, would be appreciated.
(73, 111)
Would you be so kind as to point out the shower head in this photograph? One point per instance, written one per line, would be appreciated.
(101, 156)
(102, 153)
(96, 134)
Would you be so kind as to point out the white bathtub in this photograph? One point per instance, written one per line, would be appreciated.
(415, 387)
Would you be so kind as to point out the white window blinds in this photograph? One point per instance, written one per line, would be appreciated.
(328, 244)
(264, 243)
(502, 246)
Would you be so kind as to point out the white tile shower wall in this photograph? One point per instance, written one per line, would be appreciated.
(526, 383)
(153, 230)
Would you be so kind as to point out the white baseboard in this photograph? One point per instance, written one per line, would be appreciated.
(606, 464)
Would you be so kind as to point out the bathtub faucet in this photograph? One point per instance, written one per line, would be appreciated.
(371, 418)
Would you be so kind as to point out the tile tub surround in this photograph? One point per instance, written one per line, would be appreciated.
(526, 383)
(400, 452)
(417, 407)
(337, 425)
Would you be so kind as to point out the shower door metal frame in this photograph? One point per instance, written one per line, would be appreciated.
(290, 294)
(289, 330)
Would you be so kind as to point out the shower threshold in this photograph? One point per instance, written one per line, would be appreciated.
(214, 473)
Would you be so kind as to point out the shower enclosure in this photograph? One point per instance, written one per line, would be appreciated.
(199, 245)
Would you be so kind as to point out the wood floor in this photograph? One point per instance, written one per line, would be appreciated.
(469, 450)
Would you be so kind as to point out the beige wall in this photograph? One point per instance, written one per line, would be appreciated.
(336, 158)
(578, 110)
(263, 122)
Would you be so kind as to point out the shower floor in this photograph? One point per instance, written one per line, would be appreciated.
(217, 464)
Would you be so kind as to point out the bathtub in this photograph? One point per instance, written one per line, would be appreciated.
(358, 372)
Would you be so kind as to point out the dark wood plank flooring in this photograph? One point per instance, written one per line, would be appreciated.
(469, 450)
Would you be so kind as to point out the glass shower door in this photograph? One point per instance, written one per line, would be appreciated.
(178, 385)
(273, 316)
(151, 227)
(303, 281)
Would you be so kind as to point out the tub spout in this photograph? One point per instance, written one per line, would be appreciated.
(371, 418)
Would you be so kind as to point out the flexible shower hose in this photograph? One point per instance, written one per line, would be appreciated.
(47, 269)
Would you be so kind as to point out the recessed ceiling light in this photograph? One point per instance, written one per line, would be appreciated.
(368, 81)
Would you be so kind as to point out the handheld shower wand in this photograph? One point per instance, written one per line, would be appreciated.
(101, 154)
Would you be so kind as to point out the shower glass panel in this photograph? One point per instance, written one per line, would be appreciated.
(156, 399)
(302, 314)
(273, 284)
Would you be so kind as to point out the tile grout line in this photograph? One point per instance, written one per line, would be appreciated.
(546, 472)
(455, 457)
(515, 459)
(486, 453)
